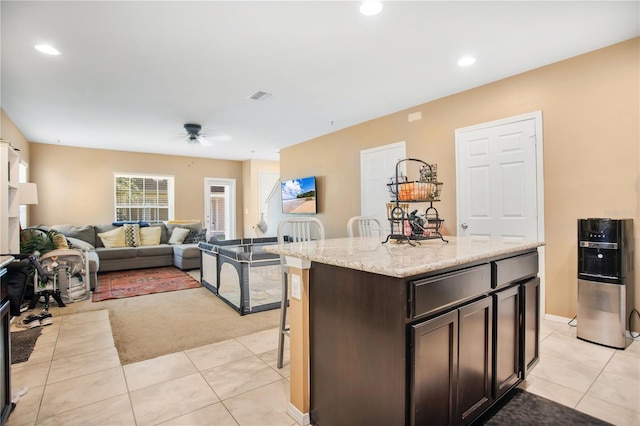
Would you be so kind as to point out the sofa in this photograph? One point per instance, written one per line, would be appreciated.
(107, 253)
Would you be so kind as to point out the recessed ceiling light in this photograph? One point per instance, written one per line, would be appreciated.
(465, 61)
(371, 7)
(46, 49)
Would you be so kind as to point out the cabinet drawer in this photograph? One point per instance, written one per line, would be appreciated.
(446, 291)
(515, 269)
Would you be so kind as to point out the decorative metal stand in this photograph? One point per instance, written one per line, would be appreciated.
(407, 226)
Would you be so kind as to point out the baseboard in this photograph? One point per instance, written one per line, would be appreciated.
(556, 318)
(300, 417)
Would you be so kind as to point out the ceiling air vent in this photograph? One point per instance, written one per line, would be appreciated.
(260, 96)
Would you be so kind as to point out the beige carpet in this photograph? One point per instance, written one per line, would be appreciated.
(149, 326)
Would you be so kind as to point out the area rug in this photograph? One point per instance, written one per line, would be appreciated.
(122, 284)
(22, 344)
(526, 408)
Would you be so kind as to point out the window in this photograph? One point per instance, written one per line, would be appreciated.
(217, 223)
(141, 197)
(22, 177)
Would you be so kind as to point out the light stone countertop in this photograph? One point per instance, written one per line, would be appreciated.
(5, 260)
(399, 260)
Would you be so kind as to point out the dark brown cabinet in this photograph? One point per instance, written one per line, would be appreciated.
(506, 367)
(475, 360)
(435, 370)
(451, 365)
(530, 339)
(439, 348)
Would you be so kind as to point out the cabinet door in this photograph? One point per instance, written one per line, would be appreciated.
(530, 340)
(506, 364)
(434, 371)
(475, 359)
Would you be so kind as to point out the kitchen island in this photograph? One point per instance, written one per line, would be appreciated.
(390, 334)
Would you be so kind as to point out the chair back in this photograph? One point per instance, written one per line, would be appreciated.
(367, 226)
(300, 229)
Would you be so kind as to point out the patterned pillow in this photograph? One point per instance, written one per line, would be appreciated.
(195, 236)
(132, 235)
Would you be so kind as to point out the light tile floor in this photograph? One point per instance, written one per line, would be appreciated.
(599, 381)
(74, 377)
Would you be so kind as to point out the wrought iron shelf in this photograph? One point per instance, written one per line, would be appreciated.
(404, 227)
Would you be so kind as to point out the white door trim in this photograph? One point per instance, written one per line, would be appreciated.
(537, 117)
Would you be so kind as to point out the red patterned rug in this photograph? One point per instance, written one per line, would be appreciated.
(121, 284)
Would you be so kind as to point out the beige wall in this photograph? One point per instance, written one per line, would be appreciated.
(251, 195)
(590, 108)
(75, 185)
(9, 131)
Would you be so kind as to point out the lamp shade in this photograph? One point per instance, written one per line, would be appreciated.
(28, 193)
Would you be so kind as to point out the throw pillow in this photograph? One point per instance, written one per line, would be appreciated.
(178, 235)
(59, 241)
(131, 234)
(113, 238)
(150, 236)
(195, 237)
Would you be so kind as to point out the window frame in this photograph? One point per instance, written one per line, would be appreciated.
(170, 194)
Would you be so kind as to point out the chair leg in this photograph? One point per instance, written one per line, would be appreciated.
(284, 303)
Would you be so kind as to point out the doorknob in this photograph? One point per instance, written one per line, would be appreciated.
(464, 226)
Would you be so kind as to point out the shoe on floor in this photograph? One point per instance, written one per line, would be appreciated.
(45, 318)
(30, 321)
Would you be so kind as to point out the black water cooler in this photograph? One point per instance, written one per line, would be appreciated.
(605, 280)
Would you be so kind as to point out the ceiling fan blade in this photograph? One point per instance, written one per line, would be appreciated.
(220, 137)
(204, 141)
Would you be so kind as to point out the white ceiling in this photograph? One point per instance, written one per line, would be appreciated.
(132, 73)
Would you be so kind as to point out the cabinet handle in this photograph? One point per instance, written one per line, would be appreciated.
(464, 226)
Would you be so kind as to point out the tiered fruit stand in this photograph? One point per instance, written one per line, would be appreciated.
(407, 226)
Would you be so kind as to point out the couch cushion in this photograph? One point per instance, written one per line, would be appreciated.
(116, 253)
(186, 250)
(160, 250)
(113, 239)
(85, 233)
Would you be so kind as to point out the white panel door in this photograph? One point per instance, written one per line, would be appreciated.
(377, 165)
(497, 182)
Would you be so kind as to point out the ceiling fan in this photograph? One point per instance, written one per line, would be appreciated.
(193, 133)
(195, 137)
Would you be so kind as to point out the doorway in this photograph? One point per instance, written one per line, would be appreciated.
(220, 208)
(500, 182)
(377, 165)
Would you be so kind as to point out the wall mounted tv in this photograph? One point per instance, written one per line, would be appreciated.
(299, 196)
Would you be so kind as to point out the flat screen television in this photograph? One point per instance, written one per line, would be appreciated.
(299, 196)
